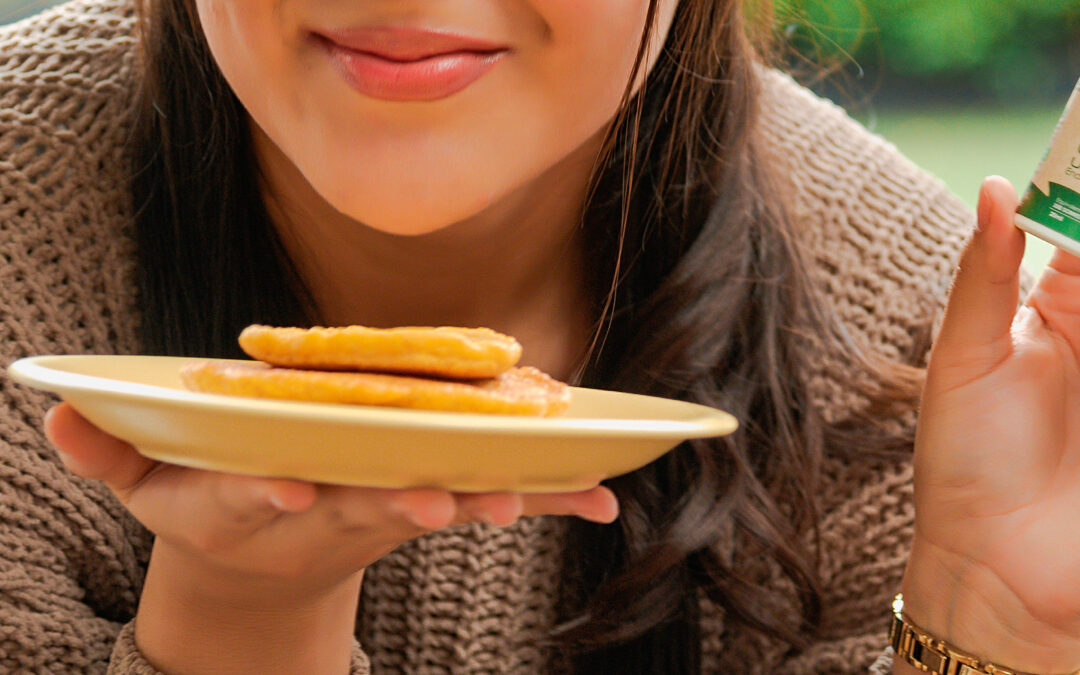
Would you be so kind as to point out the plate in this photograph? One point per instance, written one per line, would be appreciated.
(141, 400)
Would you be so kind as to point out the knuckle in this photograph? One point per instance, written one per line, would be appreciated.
(349, 510)
(340, 516)
(235, 511)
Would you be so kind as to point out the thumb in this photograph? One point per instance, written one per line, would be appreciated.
(975, 333)
(91, 453)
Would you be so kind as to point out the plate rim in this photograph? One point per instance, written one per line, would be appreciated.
(34, 371)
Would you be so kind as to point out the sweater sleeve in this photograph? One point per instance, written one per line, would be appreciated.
(884, 663)
(72, 559)
(127, 660)
(70, 566)
(883, 240)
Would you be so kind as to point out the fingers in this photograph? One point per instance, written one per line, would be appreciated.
(499, 508)
(291, 496)
(91, 453)
(1064, 262)
(210, 511)
(986, 289)
(418, 509)
(598, 505)
(215, 502)
(427, 509)
(1056, 295)
(431, 509)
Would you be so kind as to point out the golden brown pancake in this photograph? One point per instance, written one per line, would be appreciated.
(518, 391)
(446, 352)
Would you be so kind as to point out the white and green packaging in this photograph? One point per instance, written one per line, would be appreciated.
(1050, 208)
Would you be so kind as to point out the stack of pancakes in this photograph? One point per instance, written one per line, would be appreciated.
(446, 368)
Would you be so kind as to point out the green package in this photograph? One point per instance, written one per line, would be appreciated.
(1050, 208)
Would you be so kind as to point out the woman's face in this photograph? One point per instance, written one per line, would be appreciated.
(411, 115)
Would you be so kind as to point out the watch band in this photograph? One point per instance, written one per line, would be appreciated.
(931, 655)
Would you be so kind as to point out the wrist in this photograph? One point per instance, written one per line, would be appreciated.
(198, 618)
(962, 602)
(902, 667)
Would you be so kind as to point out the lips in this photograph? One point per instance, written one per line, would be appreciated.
(407, 64)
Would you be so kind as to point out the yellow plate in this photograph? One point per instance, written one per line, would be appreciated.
(141, 399)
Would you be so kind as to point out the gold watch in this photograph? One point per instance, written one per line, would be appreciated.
(931, 655)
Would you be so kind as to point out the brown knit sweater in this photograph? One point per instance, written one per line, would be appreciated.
(883, 237)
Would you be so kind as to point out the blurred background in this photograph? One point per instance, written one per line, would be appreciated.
(13, 10)
(965, 88)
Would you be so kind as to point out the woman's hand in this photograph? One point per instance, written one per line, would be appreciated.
(239, 558)
(995, 564)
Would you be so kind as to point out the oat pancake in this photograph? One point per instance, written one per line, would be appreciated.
(447, 352)
(518, 391)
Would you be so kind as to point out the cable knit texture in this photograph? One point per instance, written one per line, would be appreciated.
(883, 238)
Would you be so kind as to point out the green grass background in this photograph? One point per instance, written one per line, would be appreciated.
(12, 10)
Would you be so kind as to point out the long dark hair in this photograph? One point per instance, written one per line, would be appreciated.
(702, 294)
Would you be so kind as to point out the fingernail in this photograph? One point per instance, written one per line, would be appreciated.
(45, 425)
(277, 503)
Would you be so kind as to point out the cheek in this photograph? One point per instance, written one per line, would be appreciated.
(254, 49)
(575, 77)
(594, 44)
(233, 29)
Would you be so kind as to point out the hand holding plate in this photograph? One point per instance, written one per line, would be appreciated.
(237, 557)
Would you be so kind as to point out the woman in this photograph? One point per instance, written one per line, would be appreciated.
(624, 187)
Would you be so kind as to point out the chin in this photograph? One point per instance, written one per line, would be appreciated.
(406, 214)
(403, 218)
(406, 225)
